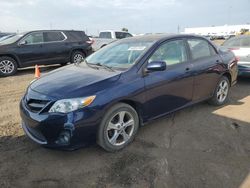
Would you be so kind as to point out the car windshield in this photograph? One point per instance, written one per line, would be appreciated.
(121, 54)
(12, 39)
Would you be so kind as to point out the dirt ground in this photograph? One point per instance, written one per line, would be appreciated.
(201, 146)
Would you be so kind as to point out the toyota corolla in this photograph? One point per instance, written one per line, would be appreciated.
(108, 96)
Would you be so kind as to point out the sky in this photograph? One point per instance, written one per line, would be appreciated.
(144, 16)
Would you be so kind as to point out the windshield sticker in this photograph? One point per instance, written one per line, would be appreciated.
(137, 48)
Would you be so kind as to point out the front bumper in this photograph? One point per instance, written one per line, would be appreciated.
(45, 128)
(34, 135)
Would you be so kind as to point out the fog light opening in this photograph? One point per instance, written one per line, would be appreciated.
(64, 138)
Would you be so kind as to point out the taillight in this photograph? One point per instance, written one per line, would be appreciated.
(232, 49)
(234, 63)
(90, 41)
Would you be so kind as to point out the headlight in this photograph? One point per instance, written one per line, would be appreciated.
(69, 105)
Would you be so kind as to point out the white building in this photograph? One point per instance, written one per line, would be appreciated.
(224, 30)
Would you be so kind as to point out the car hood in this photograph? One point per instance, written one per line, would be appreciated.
(5, 48)
(75, 81)
(2, 45)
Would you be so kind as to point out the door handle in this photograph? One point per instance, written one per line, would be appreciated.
(187, 69)
(218, 61)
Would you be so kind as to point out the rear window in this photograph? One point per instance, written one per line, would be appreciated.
(245, 42)
(238, 42)
(200, 48)
(232, 42)
(121, 35)
(106, 35)
(53, 36)
(77, 36)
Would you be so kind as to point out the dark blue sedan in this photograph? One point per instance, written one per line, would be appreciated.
(126, 84)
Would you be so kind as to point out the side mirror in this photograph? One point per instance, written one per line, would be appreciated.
(156, 66)
(24, 42)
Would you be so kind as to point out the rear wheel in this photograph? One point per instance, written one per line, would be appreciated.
(118, 128)
(8, 66)
(221, 93)
(77, 57)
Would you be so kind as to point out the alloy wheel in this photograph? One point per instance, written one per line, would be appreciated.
(120, 128)
(222, 91)
(78, 58)
(7, 66)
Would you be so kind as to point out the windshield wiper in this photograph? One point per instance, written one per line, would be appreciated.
(90, 64)
(105, 66)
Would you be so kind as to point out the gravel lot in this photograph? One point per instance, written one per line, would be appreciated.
(201, 146)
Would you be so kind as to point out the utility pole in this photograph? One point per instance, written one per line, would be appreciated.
(229, 14)
(178, 29)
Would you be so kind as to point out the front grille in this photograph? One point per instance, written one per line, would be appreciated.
(36, 105)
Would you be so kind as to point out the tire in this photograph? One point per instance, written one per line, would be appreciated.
(63, 64)
(77, 57)
(221, 92)
(8, 66)
(115, 133)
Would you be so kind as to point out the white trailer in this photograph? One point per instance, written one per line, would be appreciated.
(216, 31)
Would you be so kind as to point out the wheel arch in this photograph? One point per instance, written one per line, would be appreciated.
(229, 77)
(136, 106)
(77, 49)
(13, 57)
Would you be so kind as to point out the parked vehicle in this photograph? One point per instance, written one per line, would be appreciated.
(5, 34)
(240, 45)
(107, 37)
(5, 37)
(42, 48)
(123, 86)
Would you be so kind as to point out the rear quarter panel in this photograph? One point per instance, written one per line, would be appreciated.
(230, 61)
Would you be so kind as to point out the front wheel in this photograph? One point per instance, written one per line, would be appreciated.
(221, 92)
(8, 66)
(118, 128)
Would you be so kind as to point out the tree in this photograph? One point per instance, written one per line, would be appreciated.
(243, 31)
(125, 29)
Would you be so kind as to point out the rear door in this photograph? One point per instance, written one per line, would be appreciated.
(57, 51)
(206, 65)
(171, 89)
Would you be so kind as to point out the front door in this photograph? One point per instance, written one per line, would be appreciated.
(30, 49)
(171, 89)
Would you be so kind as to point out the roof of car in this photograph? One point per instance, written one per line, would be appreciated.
(157, 37)
(113, 31)
(52, 30)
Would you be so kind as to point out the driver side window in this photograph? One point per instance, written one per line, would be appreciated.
(173, 52)
(34, 38)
